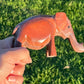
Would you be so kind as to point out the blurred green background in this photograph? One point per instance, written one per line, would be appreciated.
(48, 70)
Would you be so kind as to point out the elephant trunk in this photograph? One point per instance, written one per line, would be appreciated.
(78, 47)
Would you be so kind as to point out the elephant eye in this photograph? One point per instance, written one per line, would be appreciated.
(68, 26)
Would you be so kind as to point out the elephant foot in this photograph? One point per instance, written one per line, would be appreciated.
(52, 56)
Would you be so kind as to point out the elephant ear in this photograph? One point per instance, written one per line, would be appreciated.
(61, 21)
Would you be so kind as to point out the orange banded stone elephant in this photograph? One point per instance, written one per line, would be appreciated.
(40, 31)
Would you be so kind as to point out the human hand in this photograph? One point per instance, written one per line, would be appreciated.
(12, 61)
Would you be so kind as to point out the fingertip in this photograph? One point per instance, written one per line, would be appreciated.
(27, 59)
(15, 79)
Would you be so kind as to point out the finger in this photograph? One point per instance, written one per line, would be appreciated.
(4, 81)
(17, 56)
(11, 57)
(15, 79)
(5, 70)
(7, 42)
(18, 70)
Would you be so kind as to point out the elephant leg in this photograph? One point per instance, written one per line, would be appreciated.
(51, 50)
(47, 50)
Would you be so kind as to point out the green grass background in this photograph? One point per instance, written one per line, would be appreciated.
(48, 70)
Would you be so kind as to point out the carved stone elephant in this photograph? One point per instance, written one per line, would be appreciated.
(40, 31)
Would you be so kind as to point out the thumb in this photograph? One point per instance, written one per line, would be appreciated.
(7, 42)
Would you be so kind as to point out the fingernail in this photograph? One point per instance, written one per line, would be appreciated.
(12, 79)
